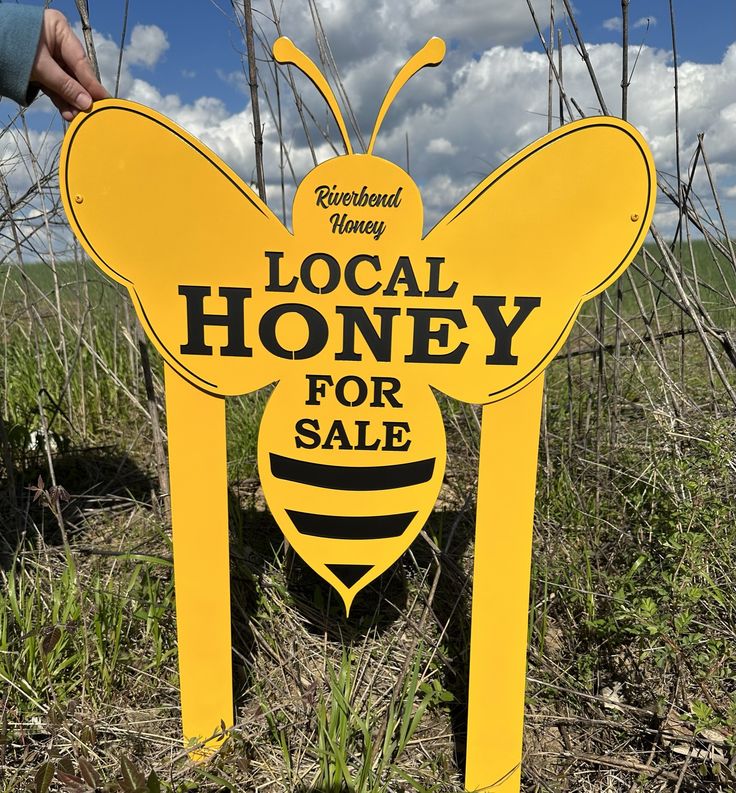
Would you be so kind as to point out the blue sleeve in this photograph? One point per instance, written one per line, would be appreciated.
(20, 29)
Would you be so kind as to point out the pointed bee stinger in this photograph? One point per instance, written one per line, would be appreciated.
(349, 575)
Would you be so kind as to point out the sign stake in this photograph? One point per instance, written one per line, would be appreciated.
(503, 542)
(201, 559)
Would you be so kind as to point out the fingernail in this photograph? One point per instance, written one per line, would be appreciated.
(84, 100)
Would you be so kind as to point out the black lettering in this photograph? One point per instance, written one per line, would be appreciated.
(489, 307)
(362, 444)
(350, 279)
(316, 327)
(233, 320)
(385, 387)
(403, 274)
(395, 199)
(337, 434)
(379, 342)
(360, 396)
(317, 387)
(333, 273)
(338, 222)
(434, 279)
(307, 428)
(274, 282)
(394, 436)
(322, 192)
(423, 334)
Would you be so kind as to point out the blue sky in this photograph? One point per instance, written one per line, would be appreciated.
(705, 28)
(486, 101)
(202, 35)
(204, 40)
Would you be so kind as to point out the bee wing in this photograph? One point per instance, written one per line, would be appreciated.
(551, 228)
(156, 210)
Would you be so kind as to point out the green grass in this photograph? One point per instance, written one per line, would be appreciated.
(632, 619)
(67, 634)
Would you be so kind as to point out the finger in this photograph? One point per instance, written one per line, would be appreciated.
(52, 77)
(74, 60)
(65, 109)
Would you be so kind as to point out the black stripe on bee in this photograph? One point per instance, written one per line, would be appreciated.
(357, 477)
(349, 574)
(351, 527)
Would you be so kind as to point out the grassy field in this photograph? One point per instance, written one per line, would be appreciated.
(632, 620)
(632, 645)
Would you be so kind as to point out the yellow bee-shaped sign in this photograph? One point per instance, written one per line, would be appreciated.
(356, 316)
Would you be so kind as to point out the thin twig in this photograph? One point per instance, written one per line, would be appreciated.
(255, 110)
(584, 55)
(122, 48)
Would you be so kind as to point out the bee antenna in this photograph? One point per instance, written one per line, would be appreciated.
(431, 54)
(285, 51)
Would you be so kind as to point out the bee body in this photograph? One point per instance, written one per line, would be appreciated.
(352, 494)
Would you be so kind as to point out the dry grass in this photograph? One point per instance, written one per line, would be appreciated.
(632, 650)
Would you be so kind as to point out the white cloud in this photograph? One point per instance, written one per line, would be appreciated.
(615, 24)
(358, 29)
(147, 44)
(440, 146)
(236, 79)
(463, 118)
(645, 22)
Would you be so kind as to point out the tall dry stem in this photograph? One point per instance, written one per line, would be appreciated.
(253, 85)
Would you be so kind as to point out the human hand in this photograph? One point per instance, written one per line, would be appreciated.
(61, 67)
